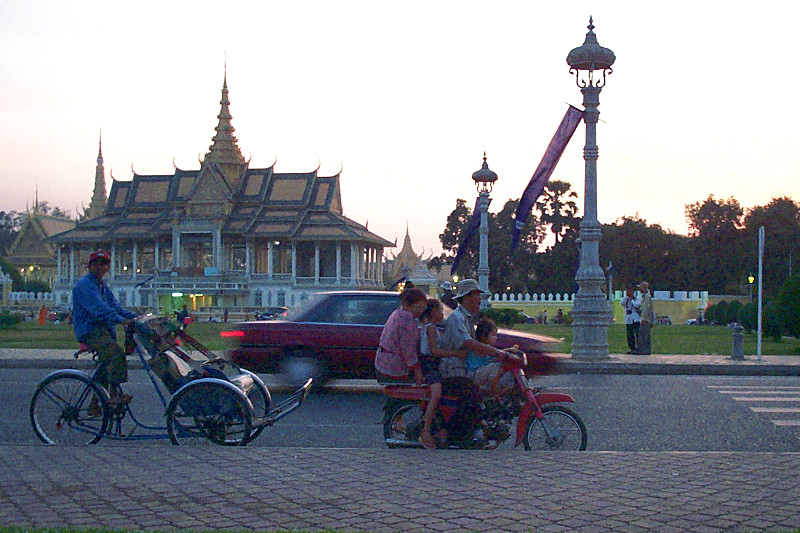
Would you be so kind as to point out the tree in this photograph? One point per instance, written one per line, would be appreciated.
(714, 227)
(556, 267)
(506, 269)
(640, 252)
(45, 209)
(9, 269)
(10, 223)
(788, 306)
(558, 207)
(452, 236)
(781, 221)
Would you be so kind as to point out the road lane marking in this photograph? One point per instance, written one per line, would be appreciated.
(766, 398)
(760, 394)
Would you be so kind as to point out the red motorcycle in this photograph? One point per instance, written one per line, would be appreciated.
(542, 423)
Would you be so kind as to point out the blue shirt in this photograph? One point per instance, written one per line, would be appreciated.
(94, 306)
(475, 361)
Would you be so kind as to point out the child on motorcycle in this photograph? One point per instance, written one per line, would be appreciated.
(429, 356)
(484, 370)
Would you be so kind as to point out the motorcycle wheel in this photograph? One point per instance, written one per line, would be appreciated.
(558, 429)
(402, 425)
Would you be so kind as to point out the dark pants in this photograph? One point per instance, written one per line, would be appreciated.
(461, 425)
(110, 353)
(643, 343)
(633, 332)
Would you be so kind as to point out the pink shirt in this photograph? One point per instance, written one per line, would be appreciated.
(399, 345)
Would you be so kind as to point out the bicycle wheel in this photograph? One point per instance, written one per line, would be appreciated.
(260, 397)
(209, 411)
(558, 429)
(67, 408)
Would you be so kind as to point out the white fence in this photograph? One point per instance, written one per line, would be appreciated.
(30, 297)
(552, 298)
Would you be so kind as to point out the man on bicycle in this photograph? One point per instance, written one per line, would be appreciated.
(95, 315)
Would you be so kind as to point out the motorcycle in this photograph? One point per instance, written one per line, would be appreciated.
(542, 422)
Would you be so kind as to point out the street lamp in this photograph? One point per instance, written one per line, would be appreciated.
(484, 180)
(591, 312)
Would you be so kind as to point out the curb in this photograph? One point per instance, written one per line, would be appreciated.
(276, 384)
(732, 368)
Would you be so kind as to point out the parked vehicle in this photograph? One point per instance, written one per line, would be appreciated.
(332, 334)
(273, 313)
(212, 400)
(542, 422)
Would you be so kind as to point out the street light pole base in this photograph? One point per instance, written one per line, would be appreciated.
(590, 319)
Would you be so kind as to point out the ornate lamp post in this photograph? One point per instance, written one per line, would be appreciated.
(590, 313)
(484, 180)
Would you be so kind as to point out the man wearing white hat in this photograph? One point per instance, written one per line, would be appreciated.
(647, 319)
(459, 335)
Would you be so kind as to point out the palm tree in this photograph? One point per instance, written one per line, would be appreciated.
(557, 207)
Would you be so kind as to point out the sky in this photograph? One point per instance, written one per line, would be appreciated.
(404, 98)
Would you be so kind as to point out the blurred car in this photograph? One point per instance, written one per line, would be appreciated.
(272, 313)
(335, 334)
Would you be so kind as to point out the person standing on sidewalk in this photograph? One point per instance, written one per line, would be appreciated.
(647, 318)
(630, 306)
(95, 315)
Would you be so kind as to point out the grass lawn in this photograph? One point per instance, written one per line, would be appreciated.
(676, 339)
(33, 335)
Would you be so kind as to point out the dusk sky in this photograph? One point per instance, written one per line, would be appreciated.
(405, 97)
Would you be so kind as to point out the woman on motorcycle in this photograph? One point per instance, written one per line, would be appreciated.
(398, 349)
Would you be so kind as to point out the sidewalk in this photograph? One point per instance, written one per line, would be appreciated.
(172, 488)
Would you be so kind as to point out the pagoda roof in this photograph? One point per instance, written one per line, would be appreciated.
(225, 192)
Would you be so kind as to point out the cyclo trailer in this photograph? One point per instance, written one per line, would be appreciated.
(212, 399)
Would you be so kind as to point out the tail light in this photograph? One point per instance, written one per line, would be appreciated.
(232, 333)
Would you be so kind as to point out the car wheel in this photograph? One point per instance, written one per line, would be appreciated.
(298, 366)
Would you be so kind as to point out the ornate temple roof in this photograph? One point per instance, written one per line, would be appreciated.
(250, 202)
(31, 245)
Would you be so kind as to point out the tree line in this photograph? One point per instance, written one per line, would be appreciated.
(719, 254)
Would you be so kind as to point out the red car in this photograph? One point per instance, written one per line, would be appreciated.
(336, 334)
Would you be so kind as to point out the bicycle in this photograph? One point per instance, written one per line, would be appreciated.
(212, 400)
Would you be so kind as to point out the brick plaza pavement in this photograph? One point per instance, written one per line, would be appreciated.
(166, 487)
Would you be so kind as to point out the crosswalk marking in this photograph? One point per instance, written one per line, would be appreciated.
(778, 396)
(766, 398)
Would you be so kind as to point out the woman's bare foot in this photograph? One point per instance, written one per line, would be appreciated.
(427, 440)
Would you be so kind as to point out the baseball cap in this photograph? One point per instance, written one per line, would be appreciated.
(98, 255)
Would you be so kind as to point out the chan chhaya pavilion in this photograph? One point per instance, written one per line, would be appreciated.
(225, 236)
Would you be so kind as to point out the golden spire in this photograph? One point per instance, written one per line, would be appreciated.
(99, 196)
(224, 149)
